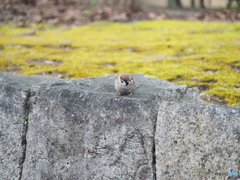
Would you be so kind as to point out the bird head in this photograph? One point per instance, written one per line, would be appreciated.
(125, 79)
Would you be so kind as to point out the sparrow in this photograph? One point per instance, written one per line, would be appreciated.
(124, 84)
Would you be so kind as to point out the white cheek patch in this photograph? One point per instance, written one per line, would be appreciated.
(123, 82)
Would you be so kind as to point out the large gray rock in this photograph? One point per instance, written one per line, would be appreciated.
(80, 129)
(197, 141)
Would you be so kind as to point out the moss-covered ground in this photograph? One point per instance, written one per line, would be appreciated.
(201, 54)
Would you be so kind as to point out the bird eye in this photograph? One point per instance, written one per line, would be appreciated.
(122, 81)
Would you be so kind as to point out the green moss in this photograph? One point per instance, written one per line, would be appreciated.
(203, 54)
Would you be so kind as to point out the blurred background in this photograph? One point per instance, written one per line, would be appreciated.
(123, 3)
(79, 12)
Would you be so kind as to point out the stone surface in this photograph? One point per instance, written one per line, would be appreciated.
(80, 129)
(14, 95)
(197, 141)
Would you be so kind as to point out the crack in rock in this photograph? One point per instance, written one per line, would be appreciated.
(26, 110)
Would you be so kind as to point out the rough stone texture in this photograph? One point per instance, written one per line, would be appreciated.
(196, 141)
(14, 95)
(80, 129)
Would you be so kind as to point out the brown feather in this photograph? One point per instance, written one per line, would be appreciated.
(125, 76)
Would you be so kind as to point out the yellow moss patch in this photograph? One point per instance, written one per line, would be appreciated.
(203, 54)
